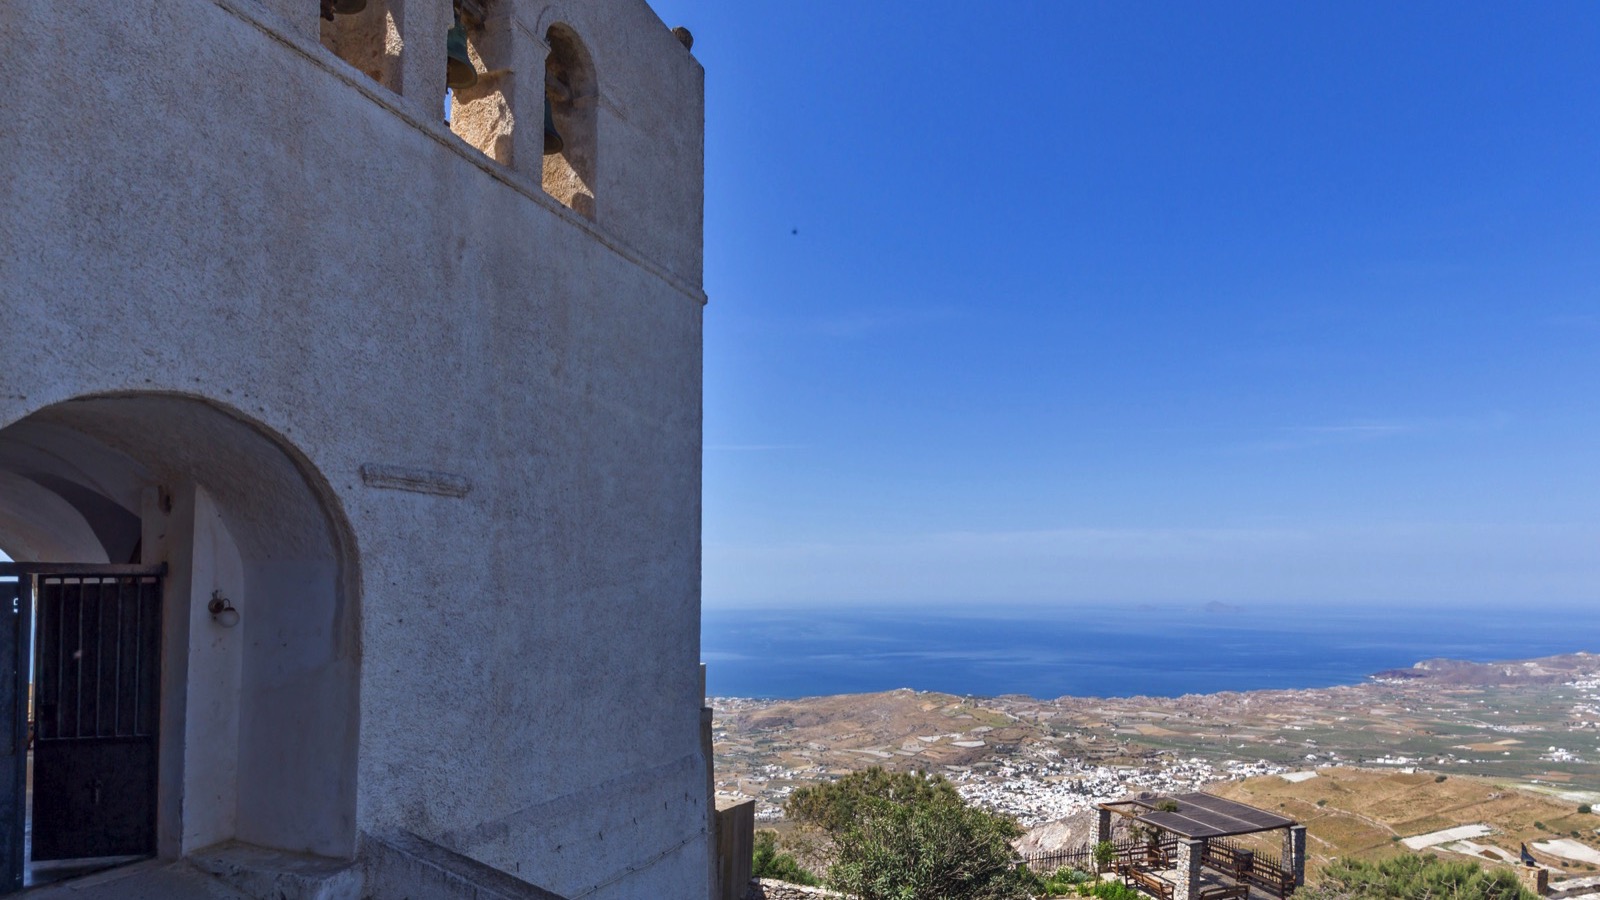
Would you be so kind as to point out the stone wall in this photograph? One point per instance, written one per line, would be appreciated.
(771, 889)
(1535, 879)
(736, 830)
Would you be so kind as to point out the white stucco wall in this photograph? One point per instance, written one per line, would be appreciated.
(197, 199)
(211, 726)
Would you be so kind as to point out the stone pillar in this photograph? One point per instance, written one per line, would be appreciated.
(1187, 878)
(736, 833)
(420, 28)
(1102, 834)
(1294, 852)
(525, 97)
(1535, 879)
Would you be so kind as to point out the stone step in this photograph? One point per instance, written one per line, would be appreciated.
(150, 880)
(406, 866)
(279, 875)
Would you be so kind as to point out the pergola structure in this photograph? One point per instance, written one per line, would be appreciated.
(1187, 854)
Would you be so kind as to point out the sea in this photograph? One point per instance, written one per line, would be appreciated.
(1111, 651)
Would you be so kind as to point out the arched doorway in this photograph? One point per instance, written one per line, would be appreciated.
(256, 736)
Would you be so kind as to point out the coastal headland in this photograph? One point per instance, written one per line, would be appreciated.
(1528, 727)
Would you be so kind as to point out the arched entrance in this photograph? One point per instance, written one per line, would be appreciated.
(256, 732)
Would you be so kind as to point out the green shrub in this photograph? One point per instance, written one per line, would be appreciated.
(1109, 890)
(1078, 876)
(1414, 877)
(833, 806)
(1064, 882)
(910, 836)
(1112, 890)
(1105, 853)
(1440, 779)
(767, 862)
(1585, 808)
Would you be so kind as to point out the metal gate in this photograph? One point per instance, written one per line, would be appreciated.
(96, 703)
(13, 732)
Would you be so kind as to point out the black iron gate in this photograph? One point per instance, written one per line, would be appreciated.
(96, 702)
(13, 732)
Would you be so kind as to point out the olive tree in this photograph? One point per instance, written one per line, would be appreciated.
(910, 836)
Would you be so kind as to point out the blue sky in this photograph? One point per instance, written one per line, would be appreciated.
(1070, 302)
(1055, 303)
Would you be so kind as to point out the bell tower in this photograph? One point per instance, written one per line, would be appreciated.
(372, 362)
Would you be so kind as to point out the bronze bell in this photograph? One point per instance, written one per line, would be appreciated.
(330, 8)
(459, 72)
(552, 138)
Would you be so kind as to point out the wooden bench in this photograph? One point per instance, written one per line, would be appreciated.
(1225, 892)
(1151, 882)
(1229, 861)
(1276, 882)
(1151, 856)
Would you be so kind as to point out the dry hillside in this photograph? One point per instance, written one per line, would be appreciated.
(1364, 813)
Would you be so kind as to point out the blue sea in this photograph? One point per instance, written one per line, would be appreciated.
(1109, 651)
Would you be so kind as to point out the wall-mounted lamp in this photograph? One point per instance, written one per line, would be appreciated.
(222, 611)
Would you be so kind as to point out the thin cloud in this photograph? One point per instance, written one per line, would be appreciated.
(864, 323)
(1303, 437)
(1367, 430)
(1418, 562)
(1575, 320)
(753, 448)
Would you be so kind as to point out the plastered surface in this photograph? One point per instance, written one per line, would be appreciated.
(202, 205)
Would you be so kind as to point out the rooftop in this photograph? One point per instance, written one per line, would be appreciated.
(1200, 815)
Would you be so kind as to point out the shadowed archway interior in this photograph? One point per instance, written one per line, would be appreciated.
(259, 723)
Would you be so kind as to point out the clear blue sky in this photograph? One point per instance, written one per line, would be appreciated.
(1127, 302)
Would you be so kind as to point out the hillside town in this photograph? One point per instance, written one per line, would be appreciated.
(1036, 793)
(1039, 761)
(1493, 761)
(1044, 786)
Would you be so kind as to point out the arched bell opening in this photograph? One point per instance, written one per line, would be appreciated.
(364, 34)
(259, 635)
(479, 76)
(571, 105)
